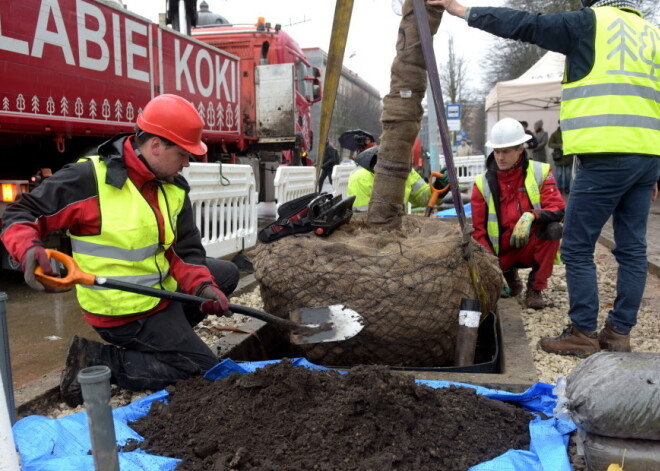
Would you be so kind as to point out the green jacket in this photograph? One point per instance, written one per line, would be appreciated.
(556, 142)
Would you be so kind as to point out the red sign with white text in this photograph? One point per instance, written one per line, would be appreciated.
(83, 67)
(206, 76)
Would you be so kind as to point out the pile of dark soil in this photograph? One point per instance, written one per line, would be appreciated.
(291, 418)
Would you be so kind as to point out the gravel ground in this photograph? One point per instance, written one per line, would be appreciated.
(645, 337)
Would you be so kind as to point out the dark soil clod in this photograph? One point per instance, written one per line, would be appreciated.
(291, 418)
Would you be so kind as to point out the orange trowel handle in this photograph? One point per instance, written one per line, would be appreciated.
(435, 193)
(74, 275)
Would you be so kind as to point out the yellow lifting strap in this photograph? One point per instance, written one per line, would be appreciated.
(340, 25)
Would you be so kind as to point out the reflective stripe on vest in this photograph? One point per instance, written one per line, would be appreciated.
(534, 178)
(419, 192)
(127, 247)
(616, 107)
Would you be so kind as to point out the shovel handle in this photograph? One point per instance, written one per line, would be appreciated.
(74, 276)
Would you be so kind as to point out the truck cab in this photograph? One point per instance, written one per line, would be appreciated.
(277, 82)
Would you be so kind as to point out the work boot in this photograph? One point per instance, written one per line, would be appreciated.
(76, 360)
(534, 299)
(572, 341)
(512, 279)
(612, 340)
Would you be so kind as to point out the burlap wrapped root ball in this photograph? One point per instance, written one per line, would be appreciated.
(407, 285)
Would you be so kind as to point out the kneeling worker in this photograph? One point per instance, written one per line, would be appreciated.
(516, 211)
(361, 183)
(130, 218)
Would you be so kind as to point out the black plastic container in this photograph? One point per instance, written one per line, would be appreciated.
(273, 346)
(487, 354)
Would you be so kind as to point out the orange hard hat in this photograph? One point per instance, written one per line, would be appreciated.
(175, 119)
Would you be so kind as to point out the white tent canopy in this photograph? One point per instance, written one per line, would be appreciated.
(533, 96)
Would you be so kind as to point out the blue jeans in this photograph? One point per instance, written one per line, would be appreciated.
(621, 187)
(563, 176)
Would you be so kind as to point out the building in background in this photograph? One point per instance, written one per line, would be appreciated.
(358, 105)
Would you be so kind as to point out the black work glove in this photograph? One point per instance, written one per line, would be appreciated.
(440, 183)
(217, 303)
(37, 256)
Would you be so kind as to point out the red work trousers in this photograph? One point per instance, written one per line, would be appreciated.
(537, 254)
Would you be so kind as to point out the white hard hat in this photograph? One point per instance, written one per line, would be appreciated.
(507, 132)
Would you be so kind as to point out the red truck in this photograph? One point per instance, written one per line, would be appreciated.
(75, 72)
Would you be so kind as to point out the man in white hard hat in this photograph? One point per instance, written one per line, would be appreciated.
(516, 211)
(610, 120)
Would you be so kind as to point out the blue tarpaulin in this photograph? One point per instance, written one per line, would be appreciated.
(451, 212)
(63, 444)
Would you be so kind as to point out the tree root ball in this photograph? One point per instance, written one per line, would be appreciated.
(406, 284)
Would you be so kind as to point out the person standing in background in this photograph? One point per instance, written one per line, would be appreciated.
(563, 163)
(541, 141)
(330, 159)
(532, 143)
(464, 149)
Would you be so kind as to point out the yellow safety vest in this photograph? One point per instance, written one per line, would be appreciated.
(127, 247)
(534, 178)
(361, 184)
(616, 107)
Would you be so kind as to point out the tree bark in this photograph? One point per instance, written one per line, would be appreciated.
(401, 118)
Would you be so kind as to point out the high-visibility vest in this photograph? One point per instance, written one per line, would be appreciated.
(616, 107)
(534, 178)
(361, 184)
(128, 247)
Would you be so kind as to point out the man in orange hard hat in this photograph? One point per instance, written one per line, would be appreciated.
(129, 218)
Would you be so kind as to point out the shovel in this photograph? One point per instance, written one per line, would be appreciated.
(313, 325)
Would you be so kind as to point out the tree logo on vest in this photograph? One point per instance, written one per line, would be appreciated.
(634, 46)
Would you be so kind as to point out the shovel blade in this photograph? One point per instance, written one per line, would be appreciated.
(341, 323)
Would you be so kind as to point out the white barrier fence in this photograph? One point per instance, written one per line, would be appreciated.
(293, 182)
(340, 174)
(224, 206)
(467, 168)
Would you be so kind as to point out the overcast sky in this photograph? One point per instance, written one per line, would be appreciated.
(372, 35)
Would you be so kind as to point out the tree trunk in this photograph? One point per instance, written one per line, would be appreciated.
(402, 114)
